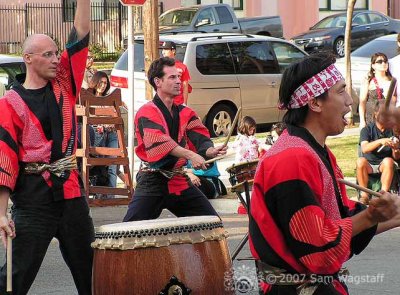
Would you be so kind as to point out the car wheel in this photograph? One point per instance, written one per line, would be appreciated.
(219, 120)
(339, 47)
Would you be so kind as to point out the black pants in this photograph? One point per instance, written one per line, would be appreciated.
(68, 221)
(191, 202)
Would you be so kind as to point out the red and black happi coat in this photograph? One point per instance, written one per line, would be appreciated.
(40, 126)
(158, 133)
(300, 213)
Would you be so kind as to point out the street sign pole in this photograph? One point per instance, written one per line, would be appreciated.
(131, 80)
(131, 106)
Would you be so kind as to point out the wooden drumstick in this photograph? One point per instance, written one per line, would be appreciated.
(232, 127)
(9, 263)
(361, 188)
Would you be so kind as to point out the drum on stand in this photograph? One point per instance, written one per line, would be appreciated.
(162, 256)
(238, 173)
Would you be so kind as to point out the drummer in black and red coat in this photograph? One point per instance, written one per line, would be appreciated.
(168, 136)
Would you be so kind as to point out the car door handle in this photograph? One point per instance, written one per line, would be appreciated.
(234, 28)
(368, 28)
(216, 30)
(272, 84)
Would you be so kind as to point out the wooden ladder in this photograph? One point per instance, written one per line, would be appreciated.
(96, 111)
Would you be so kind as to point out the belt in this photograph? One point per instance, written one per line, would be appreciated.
(57, 167)
(167, 173)
(306, 284)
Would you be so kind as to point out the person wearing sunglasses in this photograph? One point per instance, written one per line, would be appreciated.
(38, 169)
(375, 87)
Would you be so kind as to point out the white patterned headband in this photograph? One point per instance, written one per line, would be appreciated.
(313, 87)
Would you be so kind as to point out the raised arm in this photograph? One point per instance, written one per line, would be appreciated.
(82, 18)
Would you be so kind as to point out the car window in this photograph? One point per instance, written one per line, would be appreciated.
(360, 19)
(376, 18)
(331, 22)
(214, 59)
(205, 14)
(253, 57)
(224, 15)
(286, 54)
(177, 17)
(388, 47)
(8, 73)
(122, 63)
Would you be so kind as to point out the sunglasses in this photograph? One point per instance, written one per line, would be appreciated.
(381, 61)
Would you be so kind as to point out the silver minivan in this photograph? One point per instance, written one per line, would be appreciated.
(227, 71)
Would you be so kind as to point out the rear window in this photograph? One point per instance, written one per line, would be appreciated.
(214, 59)
(8, 73)
(387, 47)
(122, 63)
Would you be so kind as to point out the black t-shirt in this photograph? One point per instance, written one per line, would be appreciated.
(36, 100)
(371, 133)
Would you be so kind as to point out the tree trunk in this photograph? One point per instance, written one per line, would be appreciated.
(347, 51)
(151, 40)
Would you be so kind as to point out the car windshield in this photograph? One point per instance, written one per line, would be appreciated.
(177, 17)
(331, 22)
(388, 47)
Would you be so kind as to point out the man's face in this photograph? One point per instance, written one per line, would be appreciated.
(168, 53)
(89, 60)
(170, 83)
(334, 108)
(44, 60)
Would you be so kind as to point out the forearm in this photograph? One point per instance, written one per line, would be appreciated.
(371, 146)
(4, 196)
(185, 93)
(82, 18)
(181, 152)
(361, 222)
(387, 225)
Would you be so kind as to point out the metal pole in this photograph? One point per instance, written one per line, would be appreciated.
(131, 105)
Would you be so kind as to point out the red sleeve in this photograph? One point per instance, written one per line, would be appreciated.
(154, 142)
(9, 167)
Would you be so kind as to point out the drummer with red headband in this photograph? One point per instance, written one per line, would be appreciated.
(303, 227)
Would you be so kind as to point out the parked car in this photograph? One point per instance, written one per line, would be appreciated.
(361, 60)
(328, 34)
(227, 71)
(10, 66)
(217, 18)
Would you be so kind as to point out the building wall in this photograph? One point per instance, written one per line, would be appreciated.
(297, 15)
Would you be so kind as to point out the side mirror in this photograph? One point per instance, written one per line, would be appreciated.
(203, 22)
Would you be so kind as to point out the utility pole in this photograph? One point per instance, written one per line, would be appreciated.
(151, 40)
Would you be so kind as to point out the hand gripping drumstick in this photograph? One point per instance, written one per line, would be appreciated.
(361, 188)
(232, 127)
(9, 263)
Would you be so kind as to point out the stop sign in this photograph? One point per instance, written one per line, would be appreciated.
(132, 2)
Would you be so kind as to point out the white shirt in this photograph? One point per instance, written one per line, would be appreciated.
(394, 66)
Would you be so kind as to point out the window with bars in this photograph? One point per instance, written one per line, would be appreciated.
(100, 10)
(340, 5)
(236, 4)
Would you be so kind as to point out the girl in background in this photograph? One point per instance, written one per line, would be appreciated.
(375, 87)
(246, 144)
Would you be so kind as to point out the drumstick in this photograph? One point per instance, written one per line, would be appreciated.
(232, 127)
(209, 161)
(9, 264)
(361, 188)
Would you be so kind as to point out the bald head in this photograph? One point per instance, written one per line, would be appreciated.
(37, 43)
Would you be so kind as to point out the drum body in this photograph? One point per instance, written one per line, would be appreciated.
(162, 256)
(242, 171)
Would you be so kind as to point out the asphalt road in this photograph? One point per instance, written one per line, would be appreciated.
(373, 272)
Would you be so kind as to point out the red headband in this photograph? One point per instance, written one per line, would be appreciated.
(313, 87)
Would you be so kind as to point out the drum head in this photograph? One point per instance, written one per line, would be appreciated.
(159, 232)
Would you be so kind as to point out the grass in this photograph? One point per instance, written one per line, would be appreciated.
(345, 151)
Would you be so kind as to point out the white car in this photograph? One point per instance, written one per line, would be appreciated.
(227, 71)
(10, 66)
(361, 59)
